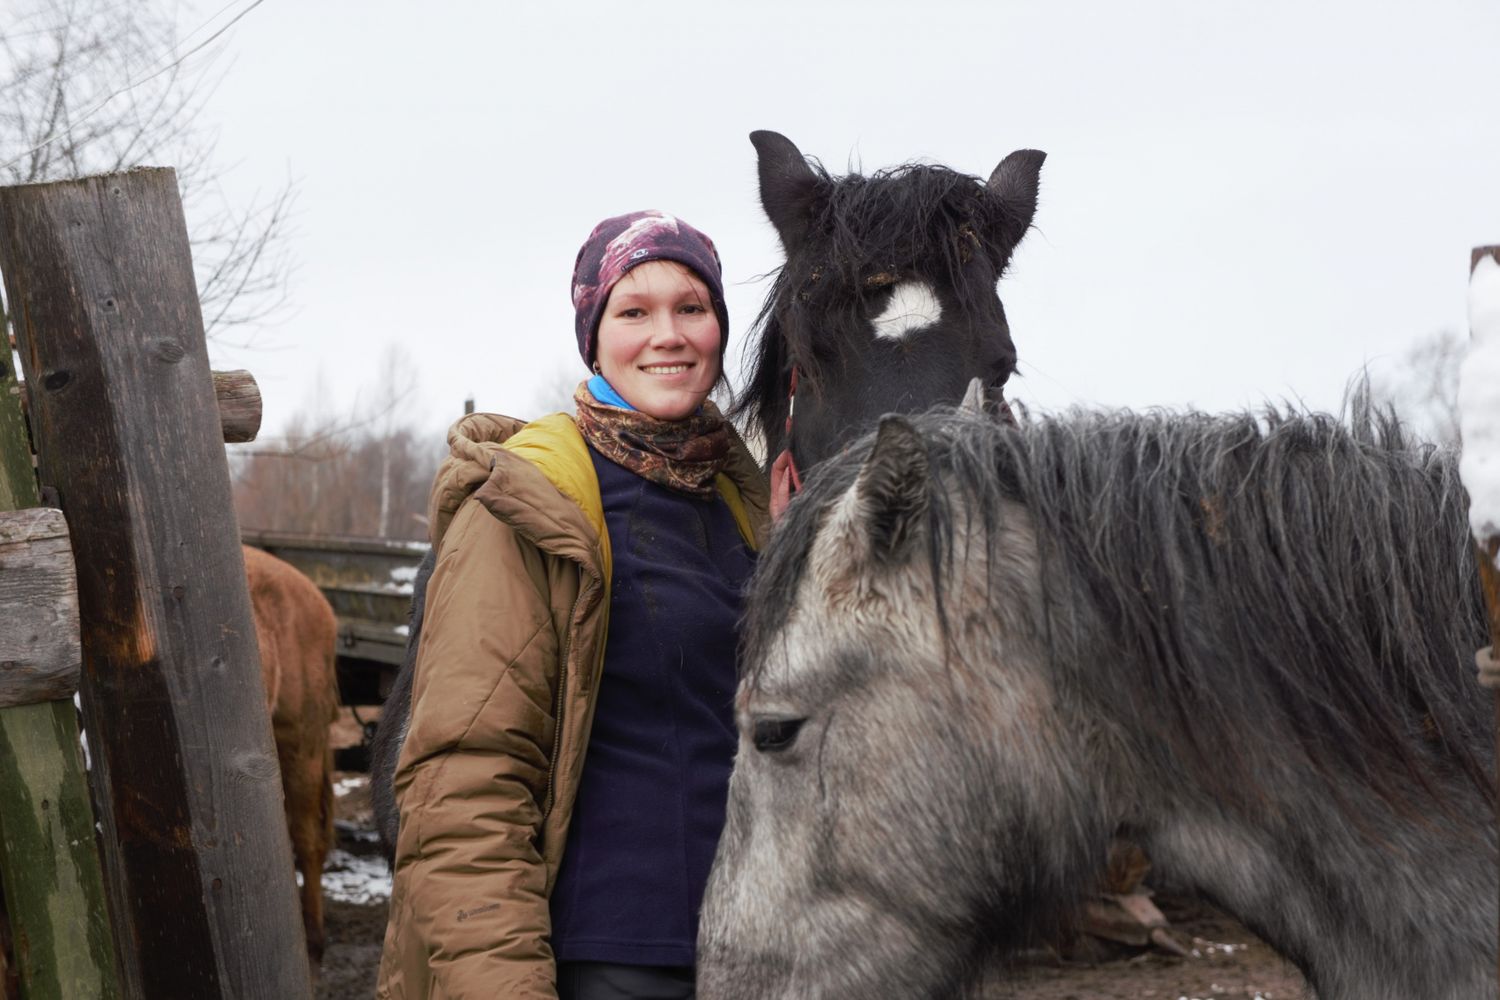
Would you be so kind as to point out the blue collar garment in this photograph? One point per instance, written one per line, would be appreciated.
(605, 393)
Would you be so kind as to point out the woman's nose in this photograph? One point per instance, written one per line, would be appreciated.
(665, 331)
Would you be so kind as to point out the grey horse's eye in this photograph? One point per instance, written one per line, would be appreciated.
(771, 735)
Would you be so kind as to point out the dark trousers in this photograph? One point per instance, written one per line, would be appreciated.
(606, 981)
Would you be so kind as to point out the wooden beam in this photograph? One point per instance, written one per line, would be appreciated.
(39, 652)
(238, 397)
(100, 286)
(49, 858)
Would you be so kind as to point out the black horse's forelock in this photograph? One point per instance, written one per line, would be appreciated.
(1251, 592)
(914, 220)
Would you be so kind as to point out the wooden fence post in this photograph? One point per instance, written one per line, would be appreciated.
(49, 858)
(101, 294)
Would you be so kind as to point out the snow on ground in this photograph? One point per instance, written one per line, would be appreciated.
(355, 872)
(354, 878)
(344, 786)
(1479, 402)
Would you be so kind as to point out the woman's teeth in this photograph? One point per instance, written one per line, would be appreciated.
(663, 369)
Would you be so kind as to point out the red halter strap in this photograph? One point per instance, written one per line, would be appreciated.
(786, 481)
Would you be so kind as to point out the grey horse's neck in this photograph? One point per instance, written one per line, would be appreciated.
(1404, 907)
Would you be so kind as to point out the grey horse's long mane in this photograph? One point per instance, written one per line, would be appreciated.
(1247, 589)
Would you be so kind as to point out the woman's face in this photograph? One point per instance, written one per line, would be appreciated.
(659, 340)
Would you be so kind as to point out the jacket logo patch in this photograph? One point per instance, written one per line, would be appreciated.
(478, 910)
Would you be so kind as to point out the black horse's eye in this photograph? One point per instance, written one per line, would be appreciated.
(772, 735)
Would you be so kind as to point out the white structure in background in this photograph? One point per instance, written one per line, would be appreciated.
(1479, 402)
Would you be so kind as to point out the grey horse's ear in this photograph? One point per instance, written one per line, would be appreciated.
(891, 489)
(1015, 183)
(973, 401)
(788, 187)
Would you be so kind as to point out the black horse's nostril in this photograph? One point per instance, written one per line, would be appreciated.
(771, 735)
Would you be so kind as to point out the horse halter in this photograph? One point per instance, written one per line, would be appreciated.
(786, 481)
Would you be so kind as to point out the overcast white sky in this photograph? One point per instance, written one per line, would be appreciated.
(1241, 200)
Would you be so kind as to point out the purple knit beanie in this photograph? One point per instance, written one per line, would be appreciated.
(616, 245)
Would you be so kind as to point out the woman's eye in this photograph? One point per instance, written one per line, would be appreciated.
(772, 735)
(633, 313)
(692, 307)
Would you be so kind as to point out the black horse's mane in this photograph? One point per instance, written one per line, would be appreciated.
(864, 232)
(1235, 580)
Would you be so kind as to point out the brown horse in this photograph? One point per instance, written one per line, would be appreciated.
(296, 631)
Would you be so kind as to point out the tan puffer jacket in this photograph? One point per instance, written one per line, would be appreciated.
(512, 646)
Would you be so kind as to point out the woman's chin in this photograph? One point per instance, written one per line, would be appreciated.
(670, 405)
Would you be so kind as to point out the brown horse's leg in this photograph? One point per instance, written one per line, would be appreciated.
(307, 780)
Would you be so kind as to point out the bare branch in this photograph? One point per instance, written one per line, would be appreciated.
(96, 87)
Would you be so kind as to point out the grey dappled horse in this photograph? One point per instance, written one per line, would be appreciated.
(975, 652)
(886, 303)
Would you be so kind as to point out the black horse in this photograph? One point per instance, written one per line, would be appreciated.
(886, 303)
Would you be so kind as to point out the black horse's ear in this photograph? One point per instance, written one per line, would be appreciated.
(892, 489)
(787, 186)
(1014, 183)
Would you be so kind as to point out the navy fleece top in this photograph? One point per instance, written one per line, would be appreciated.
(651, 800)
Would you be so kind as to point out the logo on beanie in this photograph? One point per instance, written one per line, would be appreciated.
(643, 251)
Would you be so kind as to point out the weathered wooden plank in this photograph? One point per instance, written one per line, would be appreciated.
(49, 859)
(100, 284)
(39, 650)
(17, 477)
(53, 882)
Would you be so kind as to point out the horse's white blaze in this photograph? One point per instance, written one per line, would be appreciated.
(913, 306)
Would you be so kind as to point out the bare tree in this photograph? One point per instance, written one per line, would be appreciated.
(372, 480)
(92, 86)
(1424, 392)
(367, 473)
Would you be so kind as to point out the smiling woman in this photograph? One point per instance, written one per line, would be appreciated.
(567, 553)
(659, 341)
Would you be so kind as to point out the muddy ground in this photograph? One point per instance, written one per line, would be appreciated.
(1228, 962)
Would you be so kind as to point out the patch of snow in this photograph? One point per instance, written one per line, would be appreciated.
(83, 737)
(1479, 402)
(344, 786)
(350, 878)
(1203, 947)
(403, 574)
(402, 630)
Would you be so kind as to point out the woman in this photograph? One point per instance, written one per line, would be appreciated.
(588, 583)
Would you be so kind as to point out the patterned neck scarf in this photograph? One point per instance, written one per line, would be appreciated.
(683, 455)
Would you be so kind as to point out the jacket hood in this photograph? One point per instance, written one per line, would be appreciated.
(518, 469)
(482, 444)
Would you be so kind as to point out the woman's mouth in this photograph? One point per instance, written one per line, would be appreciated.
(664, 369)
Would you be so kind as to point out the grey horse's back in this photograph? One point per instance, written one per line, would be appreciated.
(385, 749)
